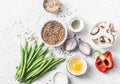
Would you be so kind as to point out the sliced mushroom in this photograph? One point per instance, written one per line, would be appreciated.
(107, 39)
(111, 30)
(102, 39)
(111, 26)
(94, 31)
(97, 28)
(102, 26)
(95, 41)
(113, 33)
(107, 31)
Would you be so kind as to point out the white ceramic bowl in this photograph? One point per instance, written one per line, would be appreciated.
(62, 40)
(84, 64)
(59, 78)
(104, 46)
(81, 26)
(53, 11)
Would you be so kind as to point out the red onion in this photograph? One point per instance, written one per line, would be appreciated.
(85, 48)
(71, 44)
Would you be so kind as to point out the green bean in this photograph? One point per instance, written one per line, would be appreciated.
(32, 53)
(36, 70)
(20, 68)
(21, 61)
(25, 44)
(25, 58)
(52, 65)
(35, 63)
(22, 56)
(53, 68)
(35, 67)
(37, 59)
(34, 56)
(46, 70)
(29, 50)
(49, 55)
(29, 81)
(41, 69)
(39, 45)
(43, 52)
(24, 66)
(57, 59)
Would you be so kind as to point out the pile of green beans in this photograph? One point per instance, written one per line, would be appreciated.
(35, 62)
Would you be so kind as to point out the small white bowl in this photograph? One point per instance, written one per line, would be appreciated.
(66, 33)
(60, 77)
(103, 46)
(53, 11)
(84, 64)
(81, 25)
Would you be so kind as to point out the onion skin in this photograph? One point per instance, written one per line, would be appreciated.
(71, 44)
(82, 43)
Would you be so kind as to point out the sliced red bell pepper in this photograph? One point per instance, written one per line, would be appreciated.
(104, 61)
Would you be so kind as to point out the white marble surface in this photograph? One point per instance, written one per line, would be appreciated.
(20, 16)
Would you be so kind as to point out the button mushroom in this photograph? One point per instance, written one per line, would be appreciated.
(95, 31)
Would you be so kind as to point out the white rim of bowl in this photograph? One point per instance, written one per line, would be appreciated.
(62, 73)
(80, 73)
(66, 33)
(103, 46)
(81, 24)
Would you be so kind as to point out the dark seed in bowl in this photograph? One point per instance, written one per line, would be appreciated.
(53, 32)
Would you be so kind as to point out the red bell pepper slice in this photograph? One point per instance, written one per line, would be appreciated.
(104, 61)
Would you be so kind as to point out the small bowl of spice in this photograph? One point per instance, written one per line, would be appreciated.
(53, 33)
(51, 6)
(76, 24)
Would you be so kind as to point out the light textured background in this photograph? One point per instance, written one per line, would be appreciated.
(20, 16)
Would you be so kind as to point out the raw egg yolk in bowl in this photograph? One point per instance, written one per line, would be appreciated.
(77, 66)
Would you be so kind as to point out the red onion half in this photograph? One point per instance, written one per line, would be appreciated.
(85, 48)
(71, 44)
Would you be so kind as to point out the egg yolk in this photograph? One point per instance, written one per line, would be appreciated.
(76, 65)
